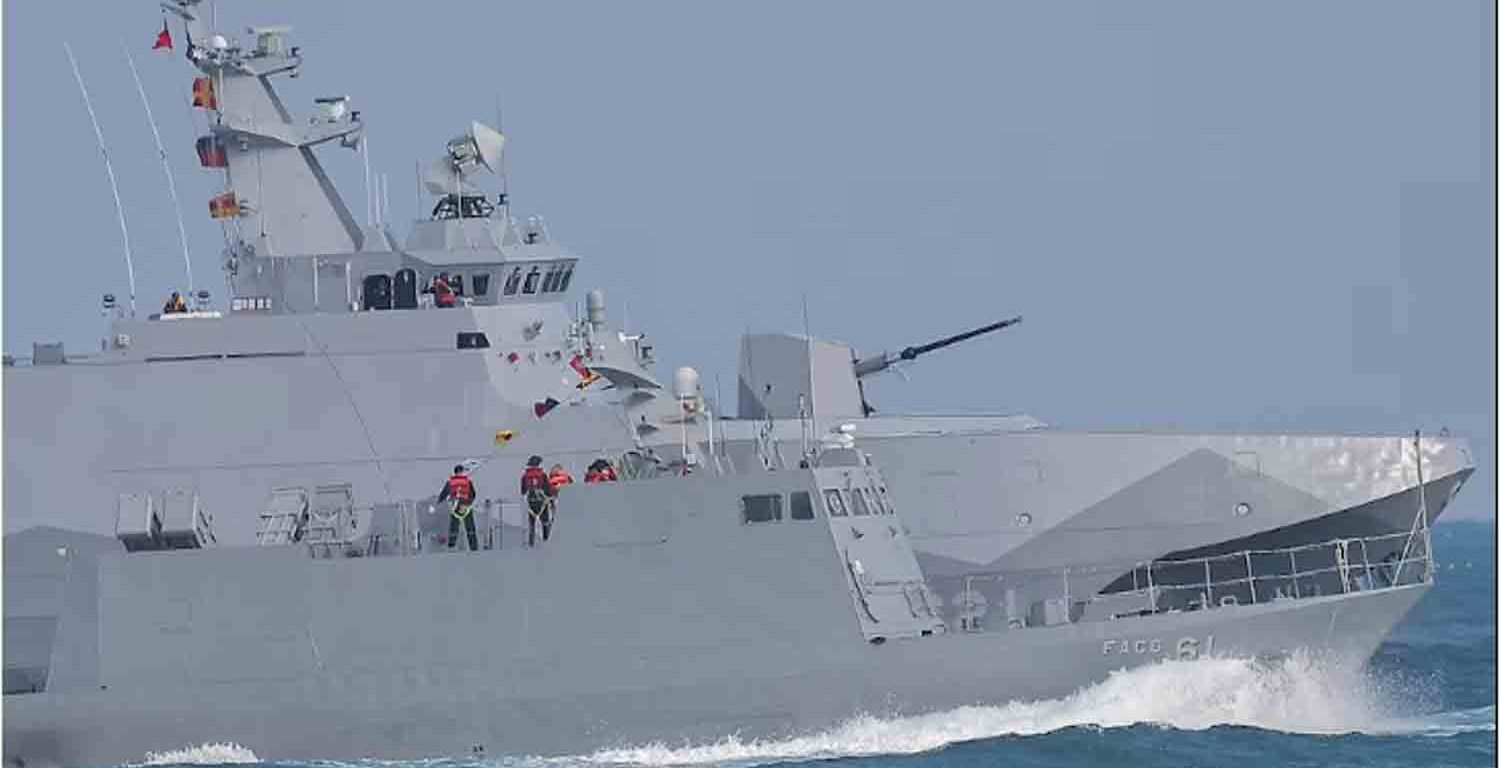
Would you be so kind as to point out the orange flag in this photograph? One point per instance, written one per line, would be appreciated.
(203, 93)
(223, 206)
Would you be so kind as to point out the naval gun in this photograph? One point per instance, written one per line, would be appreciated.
(872, 365)
(884, 361)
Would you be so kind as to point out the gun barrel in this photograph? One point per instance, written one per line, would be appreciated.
(885, 360)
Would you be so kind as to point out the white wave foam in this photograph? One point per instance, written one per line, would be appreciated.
(1452, 723)
(222, 753)
(1293, 695)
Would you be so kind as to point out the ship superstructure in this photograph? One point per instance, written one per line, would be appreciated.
(332, 366)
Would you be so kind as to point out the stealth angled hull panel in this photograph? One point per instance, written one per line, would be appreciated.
(1034, 495)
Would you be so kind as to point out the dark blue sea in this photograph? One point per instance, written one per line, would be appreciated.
(1427, 698)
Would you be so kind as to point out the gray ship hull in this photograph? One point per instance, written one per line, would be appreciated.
(463, 703)
(660, 610)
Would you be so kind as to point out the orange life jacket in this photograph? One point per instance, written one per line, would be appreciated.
(533, 479)
(593, 476)
(559, 479)
(461, 488)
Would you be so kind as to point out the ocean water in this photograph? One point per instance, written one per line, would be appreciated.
(1427, 698)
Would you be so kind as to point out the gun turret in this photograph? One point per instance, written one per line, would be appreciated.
(883, 361)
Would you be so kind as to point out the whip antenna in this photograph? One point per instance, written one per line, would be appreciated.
(109, 168)
(166, 169)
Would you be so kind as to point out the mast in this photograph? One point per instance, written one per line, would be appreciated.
(109, 168)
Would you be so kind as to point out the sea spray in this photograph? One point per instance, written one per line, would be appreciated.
(222, 753)
(1295, 694)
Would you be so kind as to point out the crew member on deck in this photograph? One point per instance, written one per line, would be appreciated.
(461, 490)
(557, 478)
(175, 305)
(442, 292)
(538, 495)
(600, 472)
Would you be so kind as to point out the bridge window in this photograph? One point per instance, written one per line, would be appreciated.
(835, 501)
(861, 507)
(531, 278)
(802, 508)
(481, 283)
(567, 277)
(513, 282)
(761, 508)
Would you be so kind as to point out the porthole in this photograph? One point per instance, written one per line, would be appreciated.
(1241, 509)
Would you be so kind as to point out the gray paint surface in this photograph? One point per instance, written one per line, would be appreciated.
(1201, 234)
(592, 640)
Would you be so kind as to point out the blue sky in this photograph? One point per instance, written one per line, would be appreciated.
(1268, 216)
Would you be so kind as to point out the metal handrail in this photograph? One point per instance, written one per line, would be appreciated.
(1351, 576)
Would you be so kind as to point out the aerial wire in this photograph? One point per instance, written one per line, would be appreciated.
(166, 168)
(109, 169)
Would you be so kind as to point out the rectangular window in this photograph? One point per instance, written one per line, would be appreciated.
(802, 508)
(473, 340)
(549, 283)
(513, 283)
(481, 283)
(567, 277)
(761, 508)
(531, 279)
(857, 499)
(835, 502)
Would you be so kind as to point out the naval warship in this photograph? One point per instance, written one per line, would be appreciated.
(251, 551)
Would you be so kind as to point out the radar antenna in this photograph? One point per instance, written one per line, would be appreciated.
(480, 146)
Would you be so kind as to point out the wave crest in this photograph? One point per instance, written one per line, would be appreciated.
(1297, 694)
(221, 753)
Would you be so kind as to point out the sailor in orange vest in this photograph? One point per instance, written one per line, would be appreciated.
(442, 291)
(538, 493)
(461, 490)
(557, 478)
(174, 304)
(600, 472)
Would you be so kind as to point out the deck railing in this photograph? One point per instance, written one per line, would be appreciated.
(1041, 597)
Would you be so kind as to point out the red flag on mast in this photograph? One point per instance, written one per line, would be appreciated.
(163, 38)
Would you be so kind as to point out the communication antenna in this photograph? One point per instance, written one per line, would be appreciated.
(385, 196)
(109, 168)
(812, 408)
(166, 169)
(364, 151)
(504, 174)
